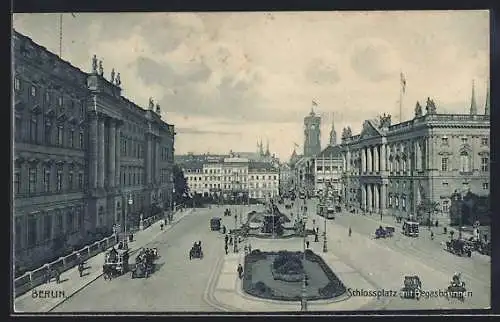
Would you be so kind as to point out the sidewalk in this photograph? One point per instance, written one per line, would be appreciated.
(46, 297)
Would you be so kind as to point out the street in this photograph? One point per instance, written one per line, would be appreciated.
(178, 284)
(385, 262)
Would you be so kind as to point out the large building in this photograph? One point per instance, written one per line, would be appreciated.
(395, 169)
(312, 134)
(86, 158)
(230, 177)
(328, 169)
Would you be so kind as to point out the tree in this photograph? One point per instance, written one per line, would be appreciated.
(180, 184)
(425, 210)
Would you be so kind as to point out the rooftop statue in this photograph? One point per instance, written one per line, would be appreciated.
(94, 64)
(430, 107)
(151, 104)
(118, 81)
(101, 70)
(112, 75)
(418, 110)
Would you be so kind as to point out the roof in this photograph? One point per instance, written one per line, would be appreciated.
(333, 151)
(261, 166)
(192, 165)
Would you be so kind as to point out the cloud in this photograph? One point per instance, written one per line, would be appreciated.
(256, 73)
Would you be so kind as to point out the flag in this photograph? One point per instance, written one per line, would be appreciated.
(314, 103)
(403, 82)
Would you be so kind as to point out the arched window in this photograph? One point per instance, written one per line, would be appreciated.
(464, 162)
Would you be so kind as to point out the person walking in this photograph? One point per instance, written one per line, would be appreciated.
(350, 231)
(307, 244)
(226, 247)
(240, 271)
(80, 269)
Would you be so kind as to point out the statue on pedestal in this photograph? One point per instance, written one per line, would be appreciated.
(118, 81)
(151, 104)
(430, 107)
(112, 75)
(101, 70)
(385, 120)
(418, 110)
(94, 64)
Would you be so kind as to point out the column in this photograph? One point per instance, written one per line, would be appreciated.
(157, 160)
(149, 155)
(377, 158)
(383, 156)
(117, 154)
(112, 153)
(100, 152)
(376, 197)
(363, 197)
(363, 160)
(383, 198)
(348, 161)
(370, 197)
(369, 159)
(93, 151)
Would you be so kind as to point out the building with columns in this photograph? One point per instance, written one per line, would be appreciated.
(392, 169)
(81, 152)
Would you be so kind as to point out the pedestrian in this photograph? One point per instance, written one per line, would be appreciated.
(226, 239)
(445, 230)
(350, 231)
(249, 247)
(307, 244)
(437, 223)
(240, 271)
(432, 235)
(161, 226)
(80, 269)
(226, 248)
(58, 276)
(230, 240)
(316, 237)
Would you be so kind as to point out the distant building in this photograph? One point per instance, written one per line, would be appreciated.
(393, 169)
(81, 152)
(312, 134)
(329, 169)
(232, 175)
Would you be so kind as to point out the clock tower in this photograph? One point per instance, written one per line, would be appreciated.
(312, 134)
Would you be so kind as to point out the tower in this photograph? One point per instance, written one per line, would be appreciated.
(487, 103)
(333, 133)
(473, 106)
(268, 153)
(312, 132)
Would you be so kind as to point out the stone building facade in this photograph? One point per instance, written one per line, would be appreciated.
(329, 169)
(392, 169)
(81, 152)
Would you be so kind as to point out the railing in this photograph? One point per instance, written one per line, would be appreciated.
(37, 277)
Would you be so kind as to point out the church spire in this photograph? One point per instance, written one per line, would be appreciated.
(473, 106)
(268, 153)
(487, 103)
(261, 149)
(333, 133)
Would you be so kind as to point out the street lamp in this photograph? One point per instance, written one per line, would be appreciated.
(129, 203)
(325, 210)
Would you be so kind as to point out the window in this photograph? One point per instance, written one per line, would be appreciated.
(46, 180)
(80, 180)
(397, 201)
(464, 162)
(60, 135)
(70, 180)
(485, 164)
(48, 134)
(33, 91)
(47, 227)
(17, 84)
(403, 203)
(32, 180)
(17, 182)
(60, 101)
(59, 180)
(33, 129)
(446, 206)
(465, 186)
(444, 164)
(486, 186)
(70, 224)
(81, 139)
(445, 184)
(444, 141)
(464, 140)
(484, 141)
(72, 138)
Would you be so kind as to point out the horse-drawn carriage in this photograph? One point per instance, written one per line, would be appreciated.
(144, 263)
(458, 247)
(412, 287)
(196, 251)
(380, 232)
(115, 263)
(457, 289)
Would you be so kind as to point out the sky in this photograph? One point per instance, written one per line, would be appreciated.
(227, 80)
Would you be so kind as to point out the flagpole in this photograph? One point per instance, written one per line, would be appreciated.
(60, 34)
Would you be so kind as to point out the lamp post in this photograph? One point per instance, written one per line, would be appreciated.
(325, 243)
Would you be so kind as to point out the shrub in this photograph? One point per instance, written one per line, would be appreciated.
(262, 289)
(334, 288)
